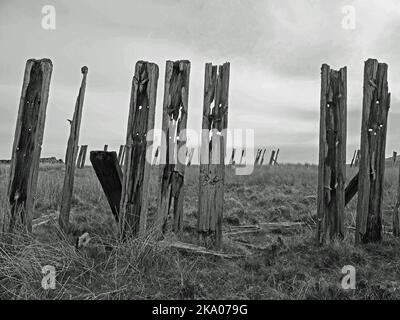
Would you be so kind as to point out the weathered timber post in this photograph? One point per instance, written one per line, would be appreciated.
(332, 154)
(353, 159)
(258, 154)
(27, 145)
(262, 157)
(212, 162)
(394, 158)
(172, 170)
(276, 157)
(120, 153)
(106, 147)
(70, 158)
(241, 157)
(108, 171)
(83, 160)
(79, 161)
(396, 213)
(232, 161)
(271, 159)
(136, 170)
(376, 104)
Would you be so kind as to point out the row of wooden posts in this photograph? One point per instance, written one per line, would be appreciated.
(130, 200)
(333, 194)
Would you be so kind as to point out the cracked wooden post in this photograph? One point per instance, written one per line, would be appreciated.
(271, 159)
(108, 171)
(27, 145)
(353, 159)
(332, 155)
(212, 155)
(70, 158)
(376, 104)
(120, 153)
(173, 144)
(396, 213)
(136, 171)
(276, 157)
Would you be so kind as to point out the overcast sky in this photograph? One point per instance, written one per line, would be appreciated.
(275, 48)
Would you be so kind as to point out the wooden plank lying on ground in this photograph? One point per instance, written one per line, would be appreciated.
(108, 171)
(27, 146)
(265, 226)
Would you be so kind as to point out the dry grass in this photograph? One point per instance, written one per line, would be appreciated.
(289, 267)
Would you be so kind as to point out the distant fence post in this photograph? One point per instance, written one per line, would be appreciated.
(70, 159)
(396, 212)
(108, 171)
(376, 104)
(232, 161)
(276, 157)
(156, 156)
(136, 172)
(190, 157)
(261, 161)
(353, 159)
(172, 170)
(394, 158)
(271, 159)
(82, 164)
(212, 162)
(27, 145)
(332, 154)
(120, 153)
(241, 157)
(106, 147)
(79, 161)
(357, 160)
(258, 154)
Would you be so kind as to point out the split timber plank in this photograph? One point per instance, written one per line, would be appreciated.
(212, 155)
(332, 155)
(27, 145)
(108, 171)
(70, 158)
(136, 172)
(376, 104)
(172, 170)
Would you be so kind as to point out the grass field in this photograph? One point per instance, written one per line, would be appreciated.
(287, 264)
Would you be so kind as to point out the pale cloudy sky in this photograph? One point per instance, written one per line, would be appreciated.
(276, 48)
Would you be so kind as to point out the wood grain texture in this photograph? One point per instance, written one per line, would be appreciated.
(172, 167)
(136, 170)
(27, 145)
(376, 104)
(213, 152)
(109, 173)
(71, 154)
(332, 155)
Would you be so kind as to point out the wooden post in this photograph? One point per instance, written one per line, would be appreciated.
(258, 154)
(232, 161)
(376, 104)
(83, 160)
(27, 145)
(351, 189)
(396, 213)
(212, 162)
(394, 158)
(357, 161)
(241, 157)
(122, 160)
(136, 172)
(172, 170)
(261, 161)
(106, 147)
(108, 171)
(276, 157)
(271, 159)
(79, 161)
(332, 155)
(120, 153)
(156, 155)
(353, 159)
(190, 157)
(72, 151)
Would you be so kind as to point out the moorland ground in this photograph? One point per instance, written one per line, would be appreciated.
(279, 264)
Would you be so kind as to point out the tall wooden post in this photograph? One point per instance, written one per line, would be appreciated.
(396, 213)
(70, 159)
(136, 172)
(27, 145)
(212, 162)
(332, 154)
(376, 104)
(172, 170)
